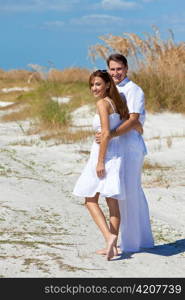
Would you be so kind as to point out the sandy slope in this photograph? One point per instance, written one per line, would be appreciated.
(47, 232)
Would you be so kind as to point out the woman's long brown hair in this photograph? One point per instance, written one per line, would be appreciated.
(112, 92)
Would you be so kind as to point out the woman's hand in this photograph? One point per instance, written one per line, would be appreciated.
(98, 137)
(100, 169)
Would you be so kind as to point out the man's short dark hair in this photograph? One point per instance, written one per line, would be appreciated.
(117, 57)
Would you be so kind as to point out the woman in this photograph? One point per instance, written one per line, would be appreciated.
(102, 173)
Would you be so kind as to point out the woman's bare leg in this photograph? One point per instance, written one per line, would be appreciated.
(100, 220)
(114, 215)
(114, 222)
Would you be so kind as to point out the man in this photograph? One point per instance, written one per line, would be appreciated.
(135, 223)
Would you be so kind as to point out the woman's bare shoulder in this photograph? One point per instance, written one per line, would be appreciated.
(102, 103)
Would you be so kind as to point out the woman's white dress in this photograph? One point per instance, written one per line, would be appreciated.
(112, 184)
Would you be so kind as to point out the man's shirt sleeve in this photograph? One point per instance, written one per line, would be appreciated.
(136, 100)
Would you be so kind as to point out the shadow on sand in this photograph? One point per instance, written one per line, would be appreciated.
(163, 250)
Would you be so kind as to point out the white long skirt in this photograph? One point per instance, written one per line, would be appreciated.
(135, 224)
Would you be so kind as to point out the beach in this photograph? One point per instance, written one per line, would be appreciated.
(47, 232)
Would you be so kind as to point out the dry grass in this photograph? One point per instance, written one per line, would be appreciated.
(156, 166)
(169, 141)
(9, 106)
(156, 174)
(159, 66)
(19, 115)
(50, 116)
(16, 77)
(39, 104)
(65, 135)
(69, 75)
(34, 77)
(11, 97)
(49, 119)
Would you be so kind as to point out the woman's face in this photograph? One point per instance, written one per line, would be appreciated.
(98, 87)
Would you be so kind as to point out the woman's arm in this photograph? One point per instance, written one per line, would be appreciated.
(105, 136)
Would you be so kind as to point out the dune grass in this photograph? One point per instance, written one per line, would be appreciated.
(159, 66)
(65, 135)
(51, 112)
(37, 104)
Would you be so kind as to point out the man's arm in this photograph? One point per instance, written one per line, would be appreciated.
(129, 124)
(136, 103)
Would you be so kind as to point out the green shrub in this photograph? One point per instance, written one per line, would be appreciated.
(51, 112)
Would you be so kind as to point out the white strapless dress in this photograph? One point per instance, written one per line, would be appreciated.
(112, 184)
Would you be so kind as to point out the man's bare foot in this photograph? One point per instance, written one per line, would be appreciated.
(110, 246)
(119, 250)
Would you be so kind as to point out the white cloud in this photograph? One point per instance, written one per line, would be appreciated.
(36, 5)
(97, 20)
(118, 4)
(65, 5)
(53, 24)
(147, 1)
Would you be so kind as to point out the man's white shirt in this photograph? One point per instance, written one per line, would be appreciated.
(134, 96)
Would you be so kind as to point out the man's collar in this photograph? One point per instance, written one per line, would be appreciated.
(123, 82)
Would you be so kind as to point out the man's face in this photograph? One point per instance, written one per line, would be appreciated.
(118, 71)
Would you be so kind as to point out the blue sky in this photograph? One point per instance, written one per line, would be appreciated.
(61, 31)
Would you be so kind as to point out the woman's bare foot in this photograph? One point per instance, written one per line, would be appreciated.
(103, 251)
(110, 246)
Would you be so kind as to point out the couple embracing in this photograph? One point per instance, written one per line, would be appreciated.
(116, 159)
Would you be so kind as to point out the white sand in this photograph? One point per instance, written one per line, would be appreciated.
(47, 232)
(61, 99)
(5, 103)
(15, 89)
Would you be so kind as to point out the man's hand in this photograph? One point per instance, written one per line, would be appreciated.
(139, 128)
(98, 137)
